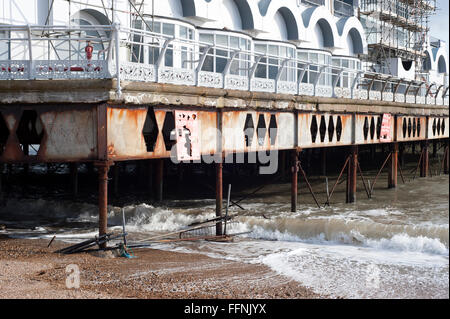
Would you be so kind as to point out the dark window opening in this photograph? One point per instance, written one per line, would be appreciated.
(322, 129)
(262, 130)
(409, 127)
(30, 132)
(313, 129)
(418, 127)
(379, 120)
(338, 129)
(404, 127)
(273, 129)
(168, 131)
(366, 128)
(249, 130)
(372, 128)
(150, 130)
(330, 129)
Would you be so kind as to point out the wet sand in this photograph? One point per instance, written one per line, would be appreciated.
(28, 269)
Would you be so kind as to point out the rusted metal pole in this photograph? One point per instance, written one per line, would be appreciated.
(392, 174)
(219, 196)
(446, 161)
(294, 183)
(159, 179)
(74, 178)
(103, 168)
(352, 174)
(425, 160)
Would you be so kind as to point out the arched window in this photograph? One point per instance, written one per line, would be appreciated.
(283, 26)
(323, 34)
(77, 49)
(426, 63)
(442, 66)
(354, 42)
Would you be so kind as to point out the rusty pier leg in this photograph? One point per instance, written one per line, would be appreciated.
(159, 173)
(446, 158)
(424, 163)
(74, 178)
(352, 172)
(219, 196)
(294, 183)
(392, 174)
(103, 168)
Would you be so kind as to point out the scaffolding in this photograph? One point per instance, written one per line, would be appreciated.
(396, 29)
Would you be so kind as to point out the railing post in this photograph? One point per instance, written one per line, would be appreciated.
(117, 43)
(30, 54)
(355, 81)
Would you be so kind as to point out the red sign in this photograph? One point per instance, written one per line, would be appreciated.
(188, 140)
(385, 133)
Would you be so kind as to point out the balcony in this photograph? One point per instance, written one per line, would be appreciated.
(77, 52)
(343, 9)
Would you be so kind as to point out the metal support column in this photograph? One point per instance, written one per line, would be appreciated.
(294, 183)
(103, 168)
(425, 160)
(392, 173)
(352, 172)
(219, 196)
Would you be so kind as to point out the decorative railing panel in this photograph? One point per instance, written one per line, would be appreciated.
(131, 71)
(210, 79)
(286, 87)
(176, 76)
(262, 85)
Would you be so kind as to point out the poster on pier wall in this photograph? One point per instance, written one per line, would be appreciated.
(385, 133)
(188, 135)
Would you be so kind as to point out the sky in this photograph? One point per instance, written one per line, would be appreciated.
(439, 22)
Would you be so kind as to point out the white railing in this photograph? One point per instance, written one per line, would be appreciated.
(104, 52)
